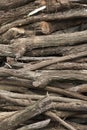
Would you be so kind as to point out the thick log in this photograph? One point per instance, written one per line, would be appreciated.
(26, 114)
(81, 13)
(50, 27)
(20, 45)
(56, 51)
(4, 115)
(48, 76)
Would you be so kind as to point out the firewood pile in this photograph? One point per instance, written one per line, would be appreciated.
(43, 64)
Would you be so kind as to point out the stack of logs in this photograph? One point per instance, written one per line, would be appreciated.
(43, 65)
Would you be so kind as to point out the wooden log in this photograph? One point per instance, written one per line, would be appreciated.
(67, 65)
(58, 119)
(73, 107)
(17, 102)
(4, 115)
(11, 108)
(50, 27)
(38, 42)
(26, 114)
(62, 5)
(20, 45)
(66, 93)
(45, 63)
(6, 4)
(44, 77)
(81, 13)
(14, 33)
(80, 88)
(15, 14)
(48, 76)
(37, 125)
(38, 97)
(13, 88)
(79, 1)
(56, 51)
(16, 82)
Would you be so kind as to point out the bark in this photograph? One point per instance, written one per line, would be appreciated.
(58, 119)
(45, 63)
(6, 4)
(80, 88)
(26, 114)
(50, 27)
(36, 126)
(81, 13)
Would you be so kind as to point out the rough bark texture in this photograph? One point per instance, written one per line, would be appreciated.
(43, 64)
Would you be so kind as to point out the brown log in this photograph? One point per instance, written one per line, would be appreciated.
(45, 63)
(57, 51)
(13, 81)
(49, 27)
(67, 65)
(15, 14)
(73, 107)
(14, 33)
(6, 4)
(20, 45)
(35, 97)
(62, 5)
(48, 76)
(26, 114)
(80, 88)
(62, 122)
(17, 102)
(66, 93)
(81, 13)
(4, 115)
(13, 88)
(37, 125)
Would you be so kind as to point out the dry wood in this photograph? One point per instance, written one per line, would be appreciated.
(81, 13)
(36, 126)
(26, 114)
(15, 14)
(37, 97)
(49, 27)
(67, 65)
(66, 93)
(6, 4)
(73, 107)
(57, 118)
(57, 51)
(43, 64)
(56, 60)
(80, 89)
(20, 45)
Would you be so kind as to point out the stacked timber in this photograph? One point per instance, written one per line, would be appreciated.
(43, 64)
